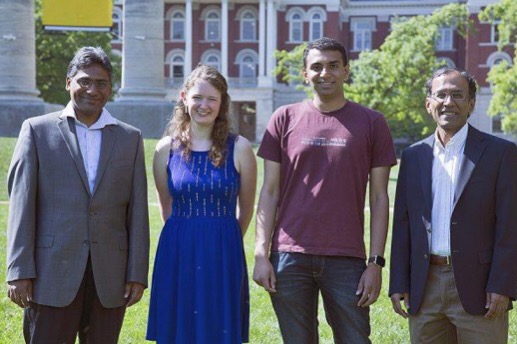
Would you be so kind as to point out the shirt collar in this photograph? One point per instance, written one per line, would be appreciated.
(104, 119)
(455, 142)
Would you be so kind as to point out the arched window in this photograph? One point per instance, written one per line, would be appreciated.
(177, 66)
(295, 27)
(247, 60)
(212, 26)
(117, 28)
(213, 60)
(316, 26)
(498, 57)
(248, 68)
(178, 26)
(248, 26)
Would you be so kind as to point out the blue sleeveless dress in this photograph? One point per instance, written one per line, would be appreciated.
(199, 292)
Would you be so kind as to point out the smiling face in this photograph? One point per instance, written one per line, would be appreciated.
(88, 101)
(326, 73)
(203, 102)
(445, 105)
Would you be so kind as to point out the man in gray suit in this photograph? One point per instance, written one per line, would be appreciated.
(78, 231)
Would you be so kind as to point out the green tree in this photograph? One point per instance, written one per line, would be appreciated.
(391, 79)
(503, 77)
(54, 50)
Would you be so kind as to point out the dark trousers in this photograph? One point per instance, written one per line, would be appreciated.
(85, 317)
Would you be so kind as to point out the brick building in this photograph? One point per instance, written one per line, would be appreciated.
(239, 37)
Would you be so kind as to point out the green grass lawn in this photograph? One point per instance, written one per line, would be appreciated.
(387, 327)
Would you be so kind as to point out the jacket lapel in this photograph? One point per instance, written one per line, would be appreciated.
(474, 147)
(68, 132)
(109, 136)
(425, 156)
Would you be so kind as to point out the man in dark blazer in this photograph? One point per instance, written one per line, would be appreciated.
(78, 231)
(454, 248)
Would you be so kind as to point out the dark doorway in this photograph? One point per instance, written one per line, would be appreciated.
(245, 114)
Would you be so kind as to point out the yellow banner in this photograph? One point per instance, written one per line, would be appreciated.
(88, 15)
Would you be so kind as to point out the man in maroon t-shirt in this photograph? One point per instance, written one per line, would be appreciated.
(319, 155)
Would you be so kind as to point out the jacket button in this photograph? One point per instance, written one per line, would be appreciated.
(426, 256)
(86, 242)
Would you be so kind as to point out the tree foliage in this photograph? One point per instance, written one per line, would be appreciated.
(502, 76)
(54, 50)
(391, 79)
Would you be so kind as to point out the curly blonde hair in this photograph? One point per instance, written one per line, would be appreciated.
(178, 127)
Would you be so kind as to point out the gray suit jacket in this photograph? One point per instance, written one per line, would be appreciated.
(55, 222)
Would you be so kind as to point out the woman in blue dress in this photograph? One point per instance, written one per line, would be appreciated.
(205, 179)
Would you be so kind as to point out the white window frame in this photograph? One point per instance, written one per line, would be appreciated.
(243, 65)
(295, 17)
(362, 28)
(442, 44)
(174, 18)
(247, 60)
(209, 19)
(250, 20)
(176, 60)
(494, 32)
(316, 22)
(296, 24)
(208, 58)
(498, 56)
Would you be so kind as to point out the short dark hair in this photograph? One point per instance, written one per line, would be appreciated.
(323, 44)
(87, 56)
(449, 70)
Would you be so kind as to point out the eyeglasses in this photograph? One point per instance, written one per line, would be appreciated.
(454, 95)
(101, 85)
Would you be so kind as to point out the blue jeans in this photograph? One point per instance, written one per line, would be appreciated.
(299, 279)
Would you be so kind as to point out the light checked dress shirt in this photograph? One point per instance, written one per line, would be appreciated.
(90, 140)
(446, 164)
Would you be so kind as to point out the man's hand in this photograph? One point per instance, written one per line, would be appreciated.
(496, 305)
(264, 275)
(369, 285)
(133, 293)
(20, 292)
(397, 306)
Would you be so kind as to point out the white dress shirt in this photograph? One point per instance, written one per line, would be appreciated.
(446, 165)
(90, 140)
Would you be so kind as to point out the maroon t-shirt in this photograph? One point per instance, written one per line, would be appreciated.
(325, 163)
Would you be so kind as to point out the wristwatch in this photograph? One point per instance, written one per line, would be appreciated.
(377, 260)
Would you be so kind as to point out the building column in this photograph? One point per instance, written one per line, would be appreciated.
(263, 109)
(224, 38)
(188, 38)
(18, 51)
(141, 100)
(262, 42)
(143, 51)
(271, 41)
